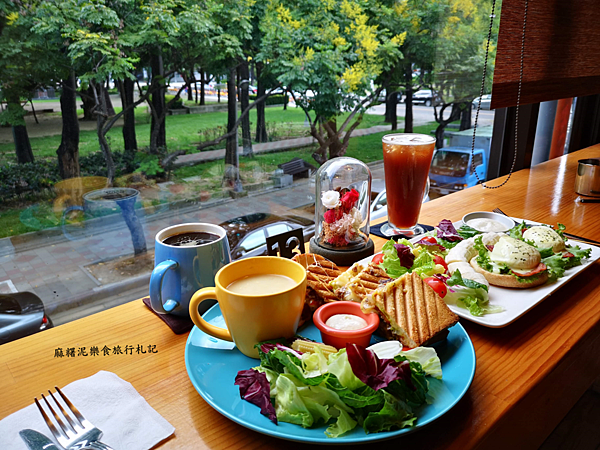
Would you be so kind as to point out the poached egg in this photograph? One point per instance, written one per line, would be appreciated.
(515, 254)
(544, 237)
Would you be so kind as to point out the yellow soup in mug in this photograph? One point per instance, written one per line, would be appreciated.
(260, 298)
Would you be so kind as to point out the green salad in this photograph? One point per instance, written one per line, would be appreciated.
(353, 387)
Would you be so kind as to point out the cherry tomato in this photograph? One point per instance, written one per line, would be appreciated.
(430, 239)
(439, 260)
(438, 286)
(377, 259)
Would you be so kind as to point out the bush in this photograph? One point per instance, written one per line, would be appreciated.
(18, 179)
(177, 104)
(94, 164)
(277, 99)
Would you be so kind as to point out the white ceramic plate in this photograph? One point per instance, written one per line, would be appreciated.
(517, 302)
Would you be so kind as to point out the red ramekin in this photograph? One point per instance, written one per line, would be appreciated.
(339, 338)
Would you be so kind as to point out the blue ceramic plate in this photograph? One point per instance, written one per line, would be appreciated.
(212, 365)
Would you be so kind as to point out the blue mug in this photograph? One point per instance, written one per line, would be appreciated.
(180, 271)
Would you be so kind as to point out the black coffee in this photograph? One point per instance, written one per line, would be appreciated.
(190, 239)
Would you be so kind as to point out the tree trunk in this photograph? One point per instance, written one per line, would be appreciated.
(189, 85)
(88, 104)
(19, 130)
(68, 150)
(391, 115)
(231, 175)
(126, 87)
(261, 124)
(110, 110)
(465, 115)
(22, 144)
(335, 148)
(439, 131)
(202, 92)
(100, 121)
(158, 134)
(408, 116)
(245, 102)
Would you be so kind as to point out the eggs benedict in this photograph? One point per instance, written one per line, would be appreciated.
(544, 237)
(510, 263)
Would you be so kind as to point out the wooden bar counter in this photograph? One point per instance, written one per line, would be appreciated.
(529, 374)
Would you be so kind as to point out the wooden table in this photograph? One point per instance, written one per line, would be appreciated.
(529, 374)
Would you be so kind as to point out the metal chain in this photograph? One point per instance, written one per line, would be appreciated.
(492, 16)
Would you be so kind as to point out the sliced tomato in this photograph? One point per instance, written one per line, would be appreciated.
(430, 239)
(438, 286)
(568, 255)
(439, 260)
(378, 258)
(540, 268)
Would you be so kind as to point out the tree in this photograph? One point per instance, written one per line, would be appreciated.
(328, 54)
(23, 67)
(459, 65)
(420, 22)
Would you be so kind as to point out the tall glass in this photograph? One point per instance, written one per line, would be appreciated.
(406, 160)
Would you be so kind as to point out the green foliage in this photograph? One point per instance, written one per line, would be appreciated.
(94, 164)
(278, 99)
(327, 47)
(13, 115)
(148, 164)
(19, 179)
(175, 104)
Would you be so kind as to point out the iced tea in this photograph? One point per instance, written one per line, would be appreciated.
(406, 160)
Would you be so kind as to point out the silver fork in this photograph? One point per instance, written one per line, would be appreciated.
(569, 235)
(77, 433)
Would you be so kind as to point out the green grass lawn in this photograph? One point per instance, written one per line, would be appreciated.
(365, 148)
(183, 132)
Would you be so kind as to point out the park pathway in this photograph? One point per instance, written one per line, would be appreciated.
(267, 147)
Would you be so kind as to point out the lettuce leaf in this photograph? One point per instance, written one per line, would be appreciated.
(374, 372)
(391, 262)
(446, 231)
(394, 414)
(466, 232)
(288, 403)
(428, 359)
(578, 254)
(255, 388)
(470, 295)
(559, 262)
(340, 367)
(343, 424)
(483, 258)
(517, 231)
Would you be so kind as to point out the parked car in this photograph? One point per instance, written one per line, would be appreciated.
(21, 314)
(248, 234)
(486, 101)
(383, 96)
(452, 169)
(425, 96)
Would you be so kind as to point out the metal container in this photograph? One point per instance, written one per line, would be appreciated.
(587, 181)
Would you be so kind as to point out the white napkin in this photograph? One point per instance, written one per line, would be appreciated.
(111, 404)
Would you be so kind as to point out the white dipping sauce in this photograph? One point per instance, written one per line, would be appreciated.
(346, 322)
(487, 225)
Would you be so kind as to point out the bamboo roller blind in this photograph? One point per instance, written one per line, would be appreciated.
(562, 51)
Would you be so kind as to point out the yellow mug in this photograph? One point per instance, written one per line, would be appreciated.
(254, 317)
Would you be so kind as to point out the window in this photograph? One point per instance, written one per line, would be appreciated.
(84, 220)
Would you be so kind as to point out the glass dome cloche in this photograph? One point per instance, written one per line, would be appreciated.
(342, 211)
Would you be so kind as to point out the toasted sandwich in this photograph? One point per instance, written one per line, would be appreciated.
(319, 273)
(363, 284)
(412, 312)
